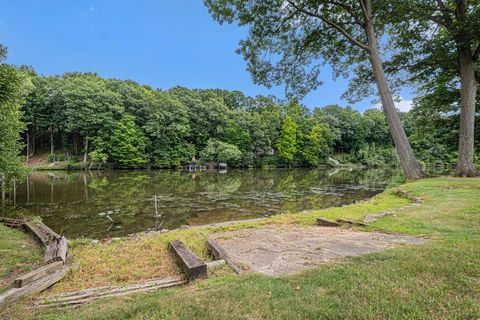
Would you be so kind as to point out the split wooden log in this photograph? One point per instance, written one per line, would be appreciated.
(33, 276)
(89, 295)
(56, 251)
(61, 254)
(219, 253)
(327, 223)
(41, 231)
(192, 265)
(355, 223)
(35, 287)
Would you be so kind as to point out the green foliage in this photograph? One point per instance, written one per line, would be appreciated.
(318, 144)
(174, 128)
(373, 156)
(219, 151)
(14, 86)
(58, 157)
(287, 144)
(125, 144)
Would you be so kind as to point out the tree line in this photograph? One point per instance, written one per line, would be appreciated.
(81, 117)
(134, 126)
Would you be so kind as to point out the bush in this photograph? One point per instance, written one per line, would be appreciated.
(219, 151)
(373, 156)
(60, 157)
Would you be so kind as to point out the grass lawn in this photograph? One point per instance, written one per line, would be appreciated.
(19, 253)
(436, 280)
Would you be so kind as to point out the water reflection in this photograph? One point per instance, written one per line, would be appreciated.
(99, 204)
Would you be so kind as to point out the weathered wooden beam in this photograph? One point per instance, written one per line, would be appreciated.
(219, 253)
(355, 223)
(95, 293)
(56, 251)
(35, 287)
(33, 276)
(41, 231)
(12, 223)
(61, 254)
(327, 223)
(50, 252)
(189, 262)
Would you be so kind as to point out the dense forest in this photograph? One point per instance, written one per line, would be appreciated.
(83, 118)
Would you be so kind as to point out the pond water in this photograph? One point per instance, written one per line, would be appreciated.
(117, 203)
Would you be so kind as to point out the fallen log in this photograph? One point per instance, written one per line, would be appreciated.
(35, 287)
(41, 231)
(327, 223)
(189, 262)
(219, 253)
(33, 276)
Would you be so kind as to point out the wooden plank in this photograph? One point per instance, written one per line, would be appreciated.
(327, 223)
(189, 262)
(32, 276)
(219, 253)
(35, 287)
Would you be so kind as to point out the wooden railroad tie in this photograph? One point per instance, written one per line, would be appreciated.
(192, 265)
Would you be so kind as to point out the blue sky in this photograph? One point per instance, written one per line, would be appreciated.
(162, 43)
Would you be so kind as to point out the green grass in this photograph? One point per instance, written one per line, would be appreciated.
(19, 253)
(437, 280)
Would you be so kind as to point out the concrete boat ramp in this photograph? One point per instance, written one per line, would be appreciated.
(288, 249)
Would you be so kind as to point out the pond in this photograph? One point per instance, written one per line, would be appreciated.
(116, 203)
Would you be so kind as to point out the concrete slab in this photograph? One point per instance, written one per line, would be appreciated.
(287, 249)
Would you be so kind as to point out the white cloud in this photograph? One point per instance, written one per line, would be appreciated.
(92, 8)
(403, 105)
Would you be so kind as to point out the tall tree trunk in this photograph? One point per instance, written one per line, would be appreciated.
(4, 187)
(33, 142)
(468, 94)
(52, 148)
(410, 166)
(28, 146)
(75, 142)
(85, 155)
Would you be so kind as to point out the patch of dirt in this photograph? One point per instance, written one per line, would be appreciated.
(38, 160)
(287, 249)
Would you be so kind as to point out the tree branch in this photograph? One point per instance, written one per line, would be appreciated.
(364, 10)
(332, 24)
(445, 14)
(439, 20)
(350, 11)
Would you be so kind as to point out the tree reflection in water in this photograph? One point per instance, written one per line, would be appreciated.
(85, 203)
